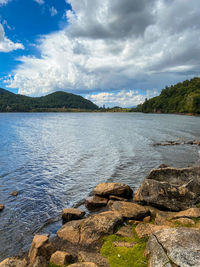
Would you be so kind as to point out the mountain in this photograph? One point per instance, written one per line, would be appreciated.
(180, 98)
(58, 101)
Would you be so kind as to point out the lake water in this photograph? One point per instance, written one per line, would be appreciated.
(55, 159)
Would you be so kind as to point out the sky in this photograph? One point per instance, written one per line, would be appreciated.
(114, 53)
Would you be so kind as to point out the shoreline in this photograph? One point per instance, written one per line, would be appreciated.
(120, 222)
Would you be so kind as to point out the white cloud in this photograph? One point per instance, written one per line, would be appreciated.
(112, 45)
(40, 2)
(7, 45)
(122, 98)
(53, 11)
(4, 2)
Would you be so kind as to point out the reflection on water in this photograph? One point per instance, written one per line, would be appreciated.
(55, 159)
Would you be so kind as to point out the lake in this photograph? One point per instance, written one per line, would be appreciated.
(55, 160)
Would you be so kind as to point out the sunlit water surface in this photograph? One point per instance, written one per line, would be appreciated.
(55, 159)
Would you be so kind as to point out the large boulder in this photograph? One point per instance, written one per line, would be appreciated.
(130, 210)
(171, 188)
(89, 231)
(115, 189)
(175, 247)
(13, 262)
(72, 214)
(41, 246)
(99, 225)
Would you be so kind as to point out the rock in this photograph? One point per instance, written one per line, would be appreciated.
(115, 198)
(83, 264)
(40, 262)
(123, 244)
(13, 262)
(116, 189)
(130, 210)
(170, 188)
(95, 202)
(99, 225)
(14, 193)
(179, 246)
(72, 214)
(40, 247)
(147, 229)
(71, 231)
(96, 258)
(189, 213)
(158, 257)
(110, 202)
(125, 231)
(61, 258)
(147, 219)
(184, 221)
(1, 207)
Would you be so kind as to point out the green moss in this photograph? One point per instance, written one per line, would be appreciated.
(122, 256)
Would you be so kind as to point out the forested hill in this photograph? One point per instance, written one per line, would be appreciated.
(180, 98)
(53, 102)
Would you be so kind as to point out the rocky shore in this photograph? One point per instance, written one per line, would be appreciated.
(158, 226)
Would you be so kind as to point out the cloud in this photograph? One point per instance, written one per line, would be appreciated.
(40, 2)
(7, 45)
(53, 11)
(122, 98)
(112, 46)
(4, 2)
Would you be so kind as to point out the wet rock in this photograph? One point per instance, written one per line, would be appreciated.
(83, 264)
(40, 247)
(125, 231)
(95, 202)
(124, 244)
(171, 188)
(71, 231)
(147, 229)
(98, 225)
(116, 189)
(14, 193)
(130, 210)
(13, 262)
(179, 246)
(96, 258)
(72, 214)
(61, 258)
(1, 207)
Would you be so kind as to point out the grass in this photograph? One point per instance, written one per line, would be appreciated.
(51, 264)
(122, 256)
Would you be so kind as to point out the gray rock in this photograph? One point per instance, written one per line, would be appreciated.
(171, 188)
(180, 245)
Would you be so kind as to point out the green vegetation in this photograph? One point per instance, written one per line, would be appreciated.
(180, 98)
(58, 101)
(123, 256)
